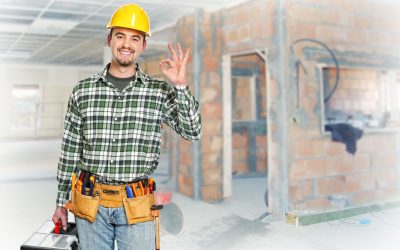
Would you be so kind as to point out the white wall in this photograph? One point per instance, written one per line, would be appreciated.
(55, 85)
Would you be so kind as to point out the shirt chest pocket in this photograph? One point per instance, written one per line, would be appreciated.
(143, 123)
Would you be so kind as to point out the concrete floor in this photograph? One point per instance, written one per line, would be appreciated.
(28, 189)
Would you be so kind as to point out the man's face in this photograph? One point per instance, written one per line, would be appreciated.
(126, 46)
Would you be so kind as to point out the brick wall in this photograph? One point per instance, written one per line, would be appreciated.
(230, 30)
(211, 104)
(254, 63)
(248, 26)
(249, 111)
(363, 36)
(209, 78)
(359, 92)
(240, 152)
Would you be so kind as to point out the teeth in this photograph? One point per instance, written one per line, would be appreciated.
(126, 52)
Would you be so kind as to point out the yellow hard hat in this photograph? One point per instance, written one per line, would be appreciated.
(130, 16)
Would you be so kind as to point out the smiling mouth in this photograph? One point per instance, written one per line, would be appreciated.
(126, 53)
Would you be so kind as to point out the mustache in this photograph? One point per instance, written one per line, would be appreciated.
(127, 48)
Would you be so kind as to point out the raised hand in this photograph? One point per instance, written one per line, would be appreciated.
(175, 69)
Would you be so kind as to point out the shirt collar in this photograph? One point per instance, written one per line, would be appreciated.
(138, 75)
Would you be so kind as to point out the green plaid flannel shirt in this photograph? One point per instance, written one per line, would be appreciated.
(117, 134)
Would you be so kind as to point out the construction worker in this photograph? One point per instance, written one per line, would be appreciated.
(113, 131)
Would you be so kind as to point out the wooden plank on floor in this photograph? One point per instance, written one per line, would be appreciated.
(309, 219)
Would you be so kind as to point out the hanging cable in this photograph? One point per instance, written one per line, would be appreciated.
(326, 99)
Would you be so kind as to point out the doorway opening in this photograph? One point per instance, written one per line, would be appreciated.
(245, 132)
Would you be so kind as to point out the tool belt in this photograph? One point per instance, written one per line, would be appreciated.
(137, 198)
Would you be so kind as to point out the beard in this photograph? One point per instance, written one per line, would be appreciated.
(124, 62)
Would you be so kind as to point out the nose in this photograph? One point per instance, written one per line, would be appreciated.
(126, 43)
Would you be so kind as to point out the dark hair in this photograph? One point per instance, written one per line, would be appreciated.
(144, 34)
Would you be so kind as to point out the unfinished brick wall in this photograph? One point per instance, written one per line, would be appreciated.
(248, 26)
(253, 62)
(219, 33)
(209, 79)
(211, 104)
(208, 51)
(249, 110)
(362, 34)
(359, 91)
(240, 152)
(240, 28)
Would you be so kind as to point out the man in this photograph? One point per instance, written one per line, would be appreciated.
(113, 129)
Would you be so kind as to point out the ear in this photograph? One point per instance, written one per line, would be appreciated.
(108, 40)
(144, 43)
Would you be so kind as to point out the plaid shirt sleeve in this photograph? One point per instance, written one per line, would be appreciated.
(70, 150)
(181, 112)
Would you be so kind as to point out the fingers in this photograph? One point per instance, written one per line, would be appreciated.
(55, 219)
(186, 57)
(180, 54)
(61, 214)
(63, 219)
(64, 222)
(172, 51)
(167, 61)
(174, 68)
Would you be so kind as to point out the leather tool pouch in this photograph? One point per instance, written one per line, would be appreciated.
(138, 209)
(85, 207)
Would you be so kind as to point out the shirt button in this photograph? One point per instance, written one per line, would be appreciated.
(116, 118)
(119, 97)
(112, 161)
(114, 140)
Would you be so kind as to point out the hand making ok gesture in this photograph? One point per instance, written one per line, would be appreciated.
(175, 70)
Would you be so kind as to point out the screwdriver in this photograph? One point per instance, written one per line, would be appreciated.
(141, 187)
(134, 190)
(129, 192)
(151, 181)
(85, 183)
(73, 181)
(91, 185)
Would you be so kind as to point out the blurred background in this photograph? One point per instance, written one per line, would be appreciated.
(275, 80)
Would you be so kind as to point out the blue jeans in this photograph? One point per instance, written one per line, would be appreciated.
(111, 226)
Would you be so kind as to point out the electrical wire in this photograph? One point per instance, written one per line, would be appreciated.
(326, 99)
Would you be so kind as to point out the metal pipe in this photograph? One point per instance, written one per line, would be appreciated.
(197, 173)
(282, 62)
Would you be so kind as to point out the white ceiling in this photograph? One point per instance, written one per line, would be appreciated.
(73, 32)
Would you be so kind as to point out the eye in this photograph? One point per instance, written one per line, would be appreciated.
(136, 39)
(119, 37)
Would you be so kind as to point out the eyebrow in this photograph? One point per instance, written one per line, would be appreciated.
(120, 33)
